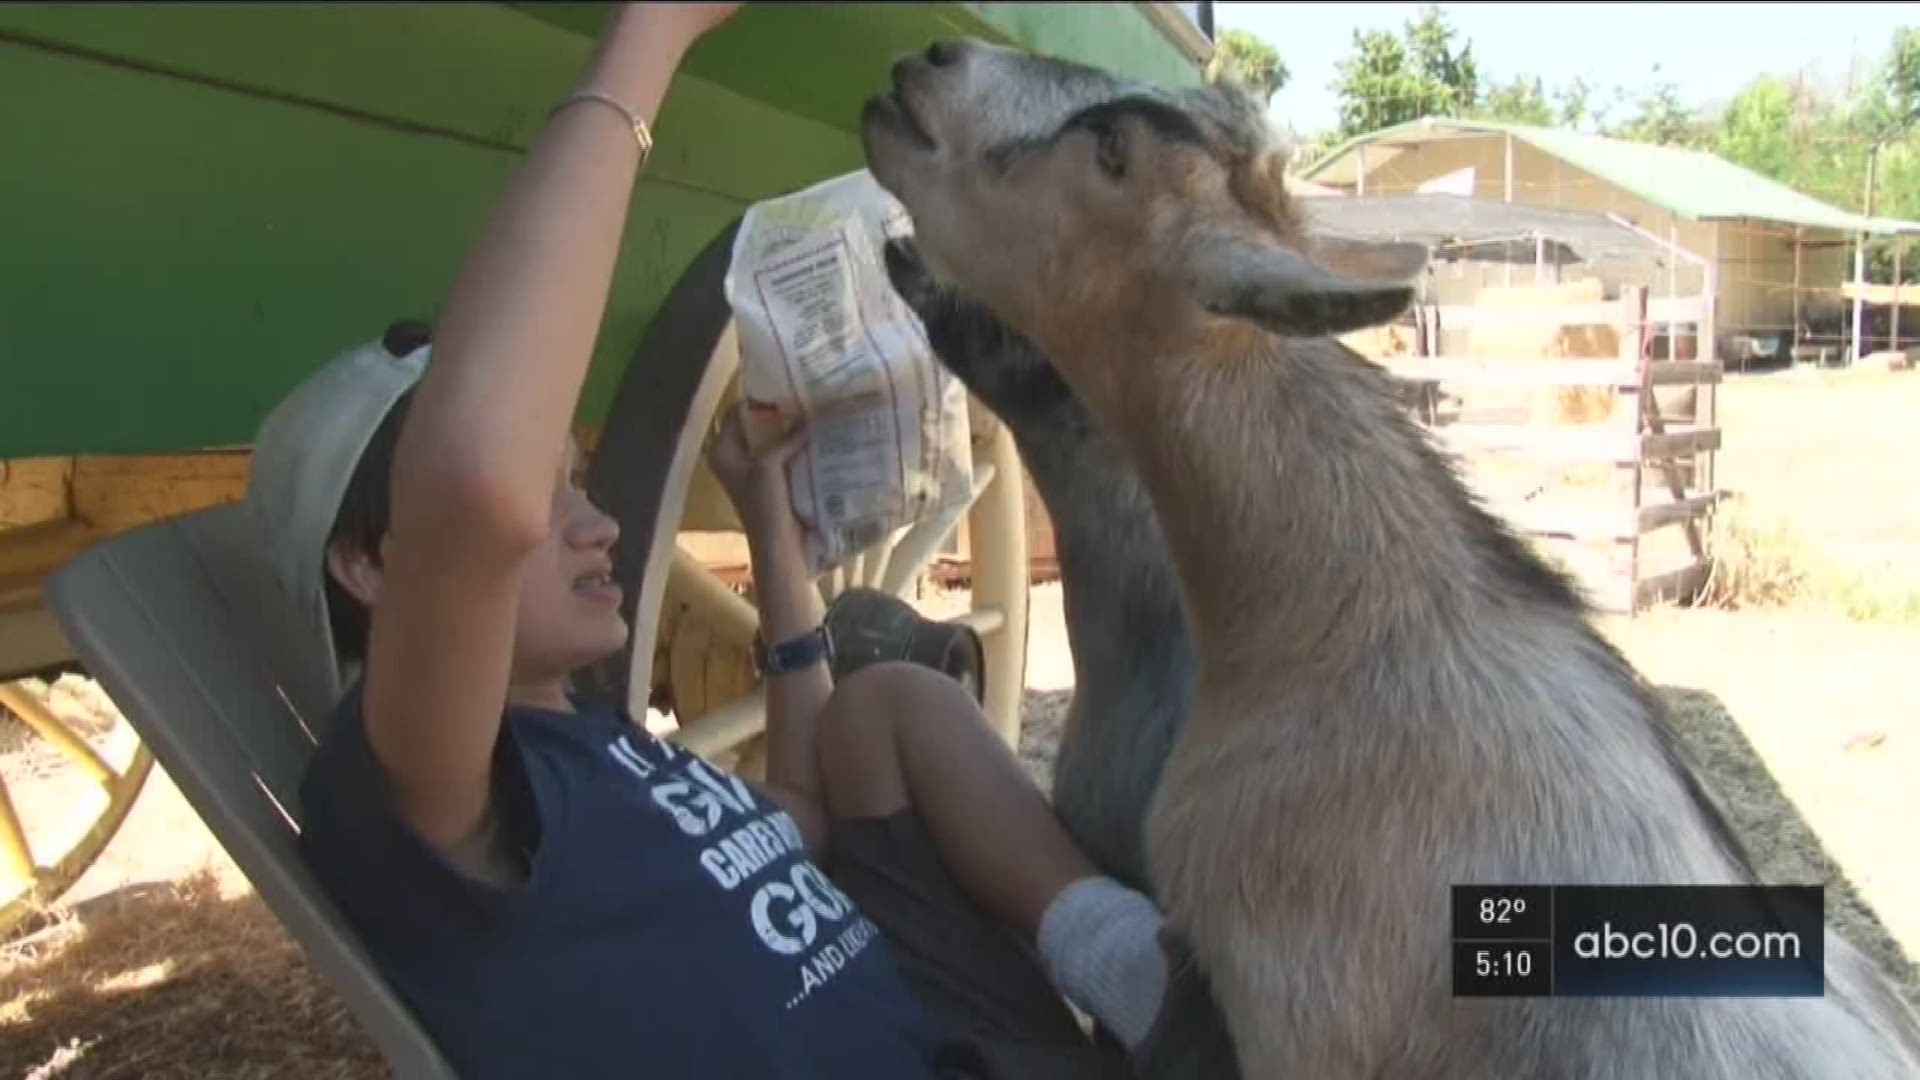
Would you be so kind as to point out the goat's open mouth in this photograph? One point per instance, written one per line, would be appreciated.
(891, 111)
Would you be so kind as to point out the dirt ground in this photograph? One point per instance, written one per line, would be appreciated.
(1805, 723)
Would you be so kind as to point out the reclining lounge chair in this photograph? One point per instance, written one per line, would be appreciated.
(192, 636)
(168, 617)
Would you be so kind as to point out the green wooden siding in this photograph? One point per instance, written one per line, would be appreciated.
(200, 203)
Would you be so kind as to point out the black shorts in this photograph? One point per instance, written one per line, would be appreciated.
(977, 977)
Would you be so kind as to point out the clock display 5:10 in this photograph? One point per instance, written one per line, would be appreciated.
(1506, 969)
(1502, 963)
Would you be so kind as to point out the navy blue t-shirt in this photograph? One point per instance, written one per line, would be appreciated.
(670, 925)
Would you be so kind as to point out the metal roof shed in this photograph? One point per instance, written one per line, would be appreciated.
(1764, 241)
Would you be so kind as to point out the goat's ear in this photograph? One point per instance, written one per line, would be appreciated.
(1346, 285)
(1370, 260)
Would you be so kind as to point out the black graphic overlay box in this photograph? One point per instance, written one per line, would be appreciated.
(1638, 941)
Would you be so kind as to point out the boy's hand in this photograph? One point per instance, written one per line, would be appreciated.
(757, 483)
(683, 23)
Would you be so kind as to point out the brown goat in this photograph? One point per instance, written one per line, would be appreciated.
(1394, 693)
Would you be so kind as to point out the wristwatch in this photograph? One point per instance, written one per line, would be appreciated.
(794, 654)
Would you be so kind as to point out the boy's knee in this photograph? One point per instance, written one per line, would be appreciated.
(890, 687)
(858, 730)
(865, 705)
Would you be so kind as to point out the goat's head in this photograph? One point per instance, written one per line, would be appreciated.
(1072, 201)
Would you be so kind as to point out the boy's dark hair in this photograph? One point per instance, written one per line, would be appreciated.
(366, 506)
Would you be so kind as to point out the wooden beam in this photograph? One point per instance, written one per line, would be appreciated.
(112, 493)
(1616, 446)
(35, 491)
(1564, 522)
(1583, 523)
(1685, 372)
(28, 555)
(1678, 309)
(1678, 584)
(1671, 443)
(1659, 515)
(1474, 316)
(1476, 371)
(1479, 371)
(30, 639)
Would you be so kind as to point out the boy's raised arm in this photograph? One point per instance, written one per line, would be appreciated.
(474, 472)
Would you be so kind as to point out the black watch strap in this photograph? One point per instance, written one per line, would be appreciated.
(793, 654)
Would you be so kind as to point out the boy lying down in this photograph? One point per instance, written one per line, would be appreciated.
(551, 889)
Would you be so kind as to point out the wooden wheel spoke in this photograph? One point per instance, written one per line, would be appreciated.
(916, 549)
(985, 621)
(726, 727)
(873, 564)
(16, 856)
(50, 727)
(833, 583)
(729, 615)
(70, 831)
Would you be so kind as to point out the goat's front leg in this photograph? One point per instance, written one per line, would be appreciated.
(1323, 962)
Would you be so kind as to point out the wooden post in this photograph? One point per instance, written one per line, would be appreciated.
(1893, 331)
(1860, 263)
(1360, 172)
(1673, 277)
(1706, 405)
(1633, 336)
(1509, 180)
(1794, 349)
(1539, 259)
(1859, 296)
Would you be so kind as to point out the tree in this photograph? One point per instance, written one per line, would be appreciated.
(1521, 100)
(1664, 119)
(1578, 105)
(1894, 98)
(1758, 129)
(1430, 41)
(1573, 104)
(1391, 79)
(1820, 144)
(1251, 61)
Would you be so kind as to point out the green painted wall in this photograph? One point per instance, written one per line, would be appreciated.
(200, 203)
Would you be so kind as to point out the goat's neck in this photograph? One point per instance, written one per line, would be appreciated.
(1303, 511)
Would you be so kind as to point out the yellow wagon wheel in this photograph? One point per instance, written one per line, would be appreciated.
(692, 631)
(64, 792)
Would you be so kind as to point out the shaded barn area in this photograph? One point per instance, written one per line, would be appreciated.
(1581, 408)
(1780, 260)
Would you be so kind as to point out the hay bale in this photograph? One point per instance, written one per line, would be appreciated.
(1545, 341)
(1382, 342)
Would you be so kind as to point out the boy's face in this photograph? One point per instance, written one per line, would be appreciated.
(569, 614)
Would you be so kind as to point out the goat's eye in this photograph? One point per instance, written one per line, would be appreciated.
(1111, 150)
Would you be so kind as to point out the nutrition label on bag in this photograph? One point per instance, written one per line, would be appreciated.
(816, 320)
(823, 335)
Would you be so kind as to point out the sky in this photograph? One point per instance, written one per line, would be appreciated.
(1709, 51)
